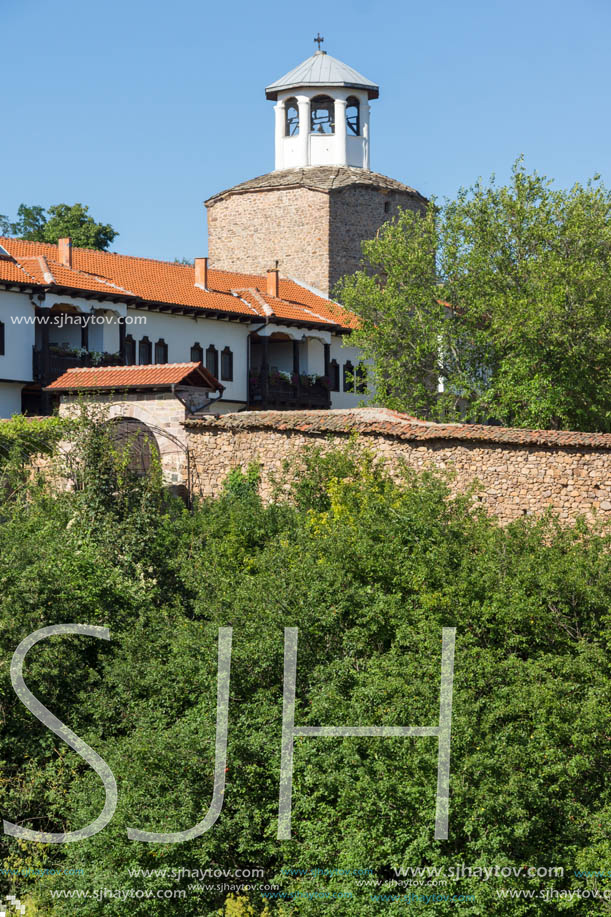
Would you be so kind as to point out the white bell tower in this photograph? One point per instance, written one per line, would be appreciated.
(322, 114)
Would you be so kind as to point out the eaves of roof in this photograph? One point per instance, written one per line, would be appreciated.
(163, 286)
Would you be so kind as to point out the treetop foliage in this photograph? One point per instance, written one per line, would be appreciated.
(494, 306)
(60, 221)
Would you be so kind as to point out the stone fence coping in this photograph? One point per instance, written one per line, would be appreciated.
(384, 422)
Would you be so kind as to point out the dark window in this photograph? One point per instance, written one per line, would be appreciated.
(386, 206)
(161, 351)
(322, 115)
(144, 351)
(291, 118)
(353, 119)
(130, 350)
(227, 365)
(348, 377)
(1, 339)
(334, 376)
(197, 353)
(212, 360)
(361, 379)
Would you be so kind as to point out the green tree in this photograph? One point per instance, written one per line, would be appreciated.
(60, 221)
(502, 294)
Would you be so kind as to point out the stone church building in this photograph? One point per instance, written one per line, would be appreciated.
(322, 200)
(238, 358)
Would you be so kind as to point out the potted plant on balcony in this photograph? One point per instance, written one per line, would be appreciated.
(102, 358)
(280, 380)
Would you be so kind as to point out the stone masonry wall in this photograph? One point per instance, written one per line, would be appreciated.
(356, 214)
(248, 232)
(315, 235)
(520, 472)
(517, 478)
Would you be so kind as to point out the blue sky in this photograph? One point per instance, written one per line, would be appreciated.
(144, 109)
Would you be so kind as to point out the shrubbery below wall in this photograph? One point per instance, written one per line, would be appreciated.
(369, 568)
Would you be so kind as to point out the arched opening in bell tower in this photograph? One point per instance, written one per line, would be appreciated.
(322, 115)
(291, 118)
(353, 116)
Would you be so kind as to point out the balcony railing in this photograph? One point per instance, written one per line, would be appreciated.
(50, 365)
(296, 393)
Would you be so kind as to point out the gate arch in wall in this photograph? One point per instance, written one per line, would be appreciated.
(133, 435)
(141, 424)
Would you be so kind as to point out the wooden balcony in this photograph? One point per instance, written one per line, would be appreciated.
(50, 364)
(278, 394)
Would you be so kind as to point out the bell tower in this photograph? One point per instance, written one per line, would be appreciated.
(310, 215)
(322, 114)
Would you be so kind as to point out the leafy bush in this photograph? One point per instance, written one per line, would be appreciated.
(370, 570)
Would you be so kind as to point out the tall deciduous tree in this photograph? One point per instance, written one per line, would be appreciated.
(496, 305)
(61, 220)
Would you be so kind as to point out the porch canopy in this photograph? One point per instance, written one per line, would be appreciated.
(159, 376)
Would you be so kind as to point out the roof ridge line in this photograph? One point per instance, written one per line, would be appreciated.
(46, 270)
(98, 277)
(131, 366)
(21, 267)
(256, 294)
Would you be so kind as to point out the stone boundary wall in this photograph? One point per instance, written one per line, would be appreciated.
(522, 472)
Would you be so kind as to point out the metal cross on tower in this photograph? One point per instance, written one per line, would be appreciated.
(319, 39)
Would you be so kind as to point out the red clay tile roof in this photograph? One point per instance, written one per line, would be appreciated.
(143, 280)
(382, 422)
(157, 375)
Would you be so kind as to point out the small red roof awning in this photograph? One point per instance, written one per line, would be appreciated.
(155, 376)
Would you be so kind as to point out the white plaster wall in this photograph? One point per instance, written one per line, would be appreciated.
(10, 398)
(180, 332)
(313, 357)
(343, 354)
(16, 362)
(323, 150)
(355, 150)
(107, 335)
(103, 323)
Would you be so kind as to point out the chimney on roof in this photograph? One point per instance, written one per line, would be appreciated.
(64, 247)
(272, 282)
(201, 273)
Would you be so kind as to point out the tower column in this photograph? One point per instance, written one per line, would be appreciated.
(279, 134)
(340, 132)
(303, 104)
(365, 109)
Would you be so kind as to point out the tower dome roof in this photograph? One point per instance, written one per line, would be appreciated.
(322, 70)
